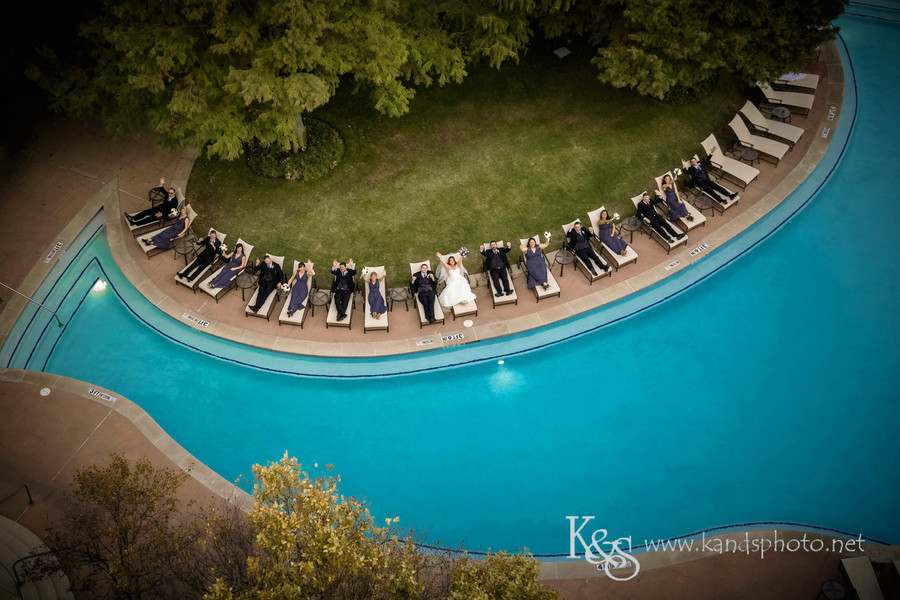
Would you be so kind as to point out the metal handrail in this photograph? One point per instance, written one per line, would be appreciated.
(27, 491)
(19, 582)
(30, 299)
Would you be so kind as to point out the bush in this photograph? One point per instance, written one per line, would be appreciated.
(323, 152)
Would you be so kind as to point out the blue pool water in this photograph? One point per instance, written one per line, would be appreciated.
(765, 391)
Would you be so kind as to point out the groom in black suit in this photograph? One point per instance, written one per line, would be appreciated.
(496, 263)
(424, 286)
(342, 286)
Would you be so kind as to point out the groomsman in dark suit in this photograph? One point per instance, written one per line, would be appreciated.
(424, 286)
(496, 263)
(647, 213)
(701, 179)
(580, 244)
(158, 212)
(210, 245)
(342, 286)
(269, 278)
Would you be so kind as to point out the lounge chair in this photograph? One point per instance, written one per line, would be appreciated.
(669, 246)
(683, 223)
(862, 577)
(740, 173)
(371, 323)
(503, 298)
(790, 134)
(580, 265)
(165, 221)
(771, 150)
(265, 311)
(801, 82)
(150, 250)
(299, 317)
(552, 286)
(469, 308)
(795, 101)
(616, 260)
(193, 285)
(219, 292)
(331, 319)
(414, 268)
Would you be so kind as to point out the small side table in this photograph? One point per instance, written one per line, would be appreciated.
(398, 294)
(783, 113)
(702, 202)
(832, 590)
(751, 155)
(184, 246)
(564, 257)
(318, 298)
(156, 196)
(630, 225)
(245, 281)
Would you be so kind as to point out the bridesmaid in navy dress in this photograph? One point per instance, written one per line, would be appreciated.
(376, 301)
(677, 209)
(164, 238)
(237, 260)
(300, 287)
(534, 262)
(606, 231)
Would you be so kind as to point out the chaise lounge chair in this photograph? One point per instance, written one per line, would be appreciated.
(668, 246)
(616, 260)
(552, 286)
(503, 299)
(683, 223)
(862, 577)
(371, 323)
(219, 292)
(790, 134)
(265, 311)
(771, 150)
(165, 221)
(796, 101)
(580, 265)
(740, 173)
(150, 250)
(801, 82)
(298, 317)
(414, 268)
(193, 285)
(469, 308)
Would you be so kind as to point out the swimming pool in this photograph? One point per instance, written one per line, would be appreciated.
(763, 393)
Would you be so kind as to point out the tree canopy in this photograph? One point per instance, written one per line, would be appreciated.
(218, 74)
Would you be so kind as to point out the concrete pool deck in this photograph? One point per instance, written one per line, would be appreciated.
(68, 163)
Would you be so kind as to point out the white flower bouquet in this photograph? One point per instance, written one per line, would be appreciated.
(173, 213)
(677, 171)
(365, 271)
(616, 216)
(547, 235)
(464, 252)
(286, 287)
(223, 249)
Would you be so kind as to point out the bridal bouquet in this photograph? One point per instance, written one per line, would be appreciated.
(464, 252)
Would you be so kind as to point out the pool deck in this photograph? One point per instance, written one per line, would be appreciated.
(58, 179)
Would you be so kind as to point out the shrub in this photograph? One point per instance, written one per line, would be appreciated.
(323, 152)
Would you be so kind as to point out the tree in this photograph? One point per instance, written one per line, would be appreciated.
(664, 48)
(217, 74)
(121, 535)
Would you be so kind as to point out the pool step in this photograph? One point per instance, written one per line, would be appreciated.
(17, 542)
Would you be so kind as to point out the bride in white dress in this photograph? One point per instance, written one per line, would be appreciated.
(457, 290)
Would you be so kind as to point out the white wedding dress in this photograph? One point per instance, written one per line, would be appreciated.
(457, 289)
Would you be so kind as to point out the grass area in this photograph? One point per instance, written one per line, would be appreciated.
(506, 154)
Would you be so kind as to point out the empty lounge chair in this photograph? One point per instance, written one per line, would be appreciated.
(790, 134)
(796, 101)
(740, 173)
(771, 150)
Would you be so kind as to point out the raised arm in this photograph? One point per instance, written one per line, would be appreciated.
(443, 262)
(309, 268)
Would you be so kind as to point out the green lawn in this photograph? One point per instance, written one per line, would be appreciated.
(505, 154)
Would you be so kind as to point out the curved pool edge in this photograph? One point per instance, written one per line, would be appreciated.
(522, 334)
(142, 421)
